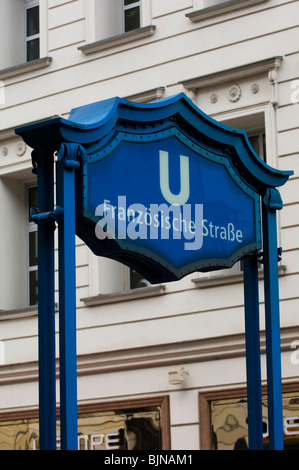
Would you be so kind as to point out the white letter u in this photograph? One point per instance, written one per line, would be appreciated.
(183, 196)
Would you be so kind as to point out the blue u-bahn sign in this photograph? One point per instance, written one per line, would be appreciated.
(166, 190)
(161, 186)
(170, 200)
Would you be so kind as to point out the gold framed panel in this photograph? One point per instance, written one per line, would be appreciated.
(137, 424)
(223, 418)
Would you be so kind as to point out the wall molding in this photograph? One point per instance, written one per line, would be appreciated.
(134, 294)
(118, 40)
(221, 9)
(25, 68)
(234, 74)
(161, 355)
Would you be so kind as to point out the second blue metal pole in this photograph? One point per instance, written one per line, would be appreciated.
(271, 203)
(67, 299)
(253, 359)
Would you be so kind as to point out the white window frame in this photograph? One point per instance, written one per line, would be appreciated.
(137, 3)
(128, 286)
(28, 4)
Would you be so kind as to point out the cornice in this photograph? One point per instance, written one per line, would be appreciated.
(235, 73)
(25, 68)
(161, 355)
(118, 40)
(124, 296)
(221, 9)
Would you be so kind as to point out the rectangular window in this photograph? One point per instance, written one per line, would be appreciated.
(258, 143)
(135, 280)
(131, 15)
(140, 424)
(32, 249)
(230, 429)
(32, 30)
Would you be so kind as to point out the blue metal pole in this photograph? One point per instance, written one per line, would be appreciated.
(43, 161)
(271, 203)
(253, 359)
(65, 188)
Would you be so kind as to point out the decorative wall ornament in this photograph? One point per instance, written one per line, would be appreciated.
(214, 98)
(4, 151)
(234, 93)
(21, 149)
(255, 88)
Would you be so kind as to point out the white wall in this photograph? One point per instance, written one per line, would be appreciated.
(13, 266)
(11, 33)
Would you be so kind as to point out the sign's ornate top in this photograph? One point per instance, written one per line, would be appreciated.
(92, 122)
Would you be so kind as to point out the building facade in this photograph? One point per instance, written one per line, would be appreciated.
(158, 366)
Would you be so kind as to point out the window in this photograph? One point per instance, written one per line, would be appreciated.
(224, 414)
(32, 30)
(135, 280)
(24, 31)
(139, 424)
(131, 15)
(258, 143)
(254, 125)
(32, 249)
(111, 23)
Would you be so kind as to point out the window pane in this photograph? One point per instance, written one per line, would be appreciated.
(137, 281)
(32, 200)
(33, 287)
(32, 50)
(32, 21)
(33, 248)
(128, 2)
(258, 143)
(132, 19)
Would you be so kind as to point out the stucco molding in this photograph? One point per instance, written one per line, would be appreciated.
(118, 40)
(25, 68)
(160, 355)
(221, 9)
(234, 74)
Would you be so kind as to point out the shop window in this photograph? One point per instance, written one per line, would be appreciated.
(228, 424)
(141, 424)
